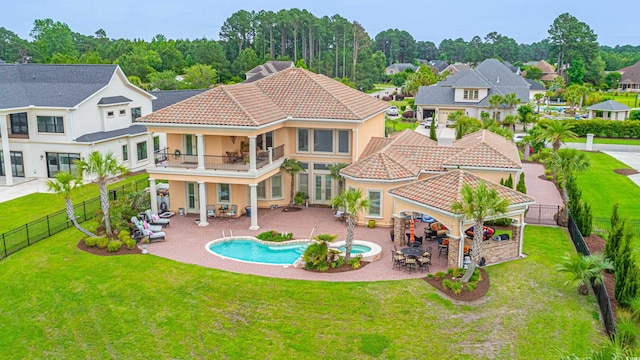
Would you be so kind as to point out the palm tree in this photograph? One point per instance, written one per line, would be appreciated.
(465, 125)
(334, 172)
(292, 167)
(556, 132)
(564, 164)
(511, 100)
(478, 204)
(102, 167)
(494, 101)
(584, 269)
(64, 184)
(352, 202)
(538, 97)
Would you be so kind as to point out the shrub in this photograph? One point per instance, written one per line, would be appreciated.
(337, 262)
(447, 283)
(634, 115)
(604, 128)
(440, 274)
(386, 98)
(114, 245)
(129, 243)
(471, 286)
(410, 101)
(326, 237)
(476, 276)
(520, 186)
(354, 262)
(315, 257)
(274, 236)
(403, 107)
(408, 114)
(399, 97)
(456, 287)
(91, 241)
(300, 198)
(124, 235)
(102, 242)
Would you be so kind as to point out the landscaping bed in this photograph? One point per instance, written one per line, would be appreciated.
(596, 244)
(480, 291)
(104, 252)
(341, 269)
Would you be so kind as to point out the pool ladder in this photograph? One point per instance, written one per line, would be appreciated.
(230, 233)
(314, 230)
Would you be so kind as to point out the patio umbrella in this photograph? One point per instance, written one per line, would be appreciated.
(411, 231)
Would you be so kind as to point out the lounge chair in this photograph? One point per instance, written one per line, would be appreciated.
(232, 212)
(155, 220)
(340, 214)
(211, 211)
(154, 228)
(151, 235)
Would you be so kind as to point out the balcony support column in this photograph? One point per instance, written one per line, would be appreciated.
(6, 154)
(252, 153)
(270, 155)
(200, 149)
(253, 194)
(202, 196)
(153, 195)
(150, 151)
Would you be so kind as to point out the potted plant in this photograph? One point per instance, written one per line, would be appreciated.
(372, 224)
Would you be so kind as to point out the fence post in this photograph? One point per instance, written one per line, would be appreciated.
(4, 244)
(26, 227)
(48, 226)
(84, 210)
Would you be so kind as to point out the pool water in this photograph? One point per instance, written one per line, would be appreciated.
(356, 249)
(253, 251)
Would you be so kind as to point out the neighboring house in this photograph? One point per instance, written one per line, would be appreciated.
(455, 68)
(514, 69)
(470, 90)
(266, 69)
(609, 110)
(535, 88)
(226, 145)
(630, 80)
(549, 72)
(439, 65)
(55, 114)
(411, 173)
(396, 68)
(164, 98)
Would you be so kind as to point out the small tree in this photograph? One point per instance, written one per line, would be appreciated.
(292, 167)
(432, 130)
(538, 97)
(64, 184)
(556, 132)
(521, 187)
(334, 172)
(353, 203)
(627, 275)
(509, 182)
(615, 238)
(583, 270)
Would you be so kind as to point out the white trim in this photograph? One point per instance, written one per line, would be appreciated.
(219, 173)
(367, 214)
(115, 104)
(364, 180)
(481, 168)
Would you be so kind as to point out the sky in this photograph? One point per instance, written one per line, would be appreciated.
(425, 20)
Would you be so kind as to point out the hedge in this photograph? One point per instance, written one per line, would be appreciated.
(603, 128)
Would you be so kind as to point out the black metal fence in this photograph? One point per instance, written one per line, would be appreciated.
(542, 214)
(600, 291)
(603, 225)
(30, 233)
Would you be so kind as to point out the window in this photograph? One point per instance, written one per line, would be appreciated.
(343, 141)
(276, 187)
(109, 113)
(156, 143)
(303, 140)
(135, 113)
(141, 147)
(17, 165)
(190, 144)
(262, 190)
(303, 183)
(125, 152)
(471, 94)
(323, 140)
(224, 193)
(57, 162)
(321, 166)
(123, 112)
(19, 123)
(50, 124)
(375, 203)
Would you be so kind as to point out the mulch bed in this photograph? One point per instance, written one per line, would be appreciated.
(626, 172)
(466, 296)
(103, 252)
(343, 268)
(596, 245)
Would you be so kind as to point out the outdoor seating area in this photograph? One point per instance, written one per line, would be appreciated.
(412, 258)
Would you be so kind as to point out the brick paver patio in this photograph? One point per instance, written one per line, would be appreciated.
(185, 242)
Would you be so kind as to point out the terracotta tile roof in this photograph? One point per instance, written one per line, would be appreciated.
(545, 67)
(549, 77)
(409, 153)
(442, 190)
(294, 92)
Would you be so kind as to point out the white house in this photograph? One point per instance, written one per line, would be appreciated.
(51, 115)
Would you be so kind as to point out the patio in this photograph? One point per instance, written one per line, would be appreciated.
(186, 243)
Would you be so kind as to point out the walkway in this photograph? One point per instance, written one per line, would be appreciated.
(544, 191)
(21, 188)
(186, 243)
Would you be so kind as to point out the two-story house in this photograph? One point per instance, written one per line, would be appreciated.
(52, 115)
(226, 145)
(470, 90)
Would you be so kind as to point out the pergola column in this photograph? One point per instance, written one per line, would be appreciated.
(6, 153)
(254, 206)
(153, 195)
(202, 195)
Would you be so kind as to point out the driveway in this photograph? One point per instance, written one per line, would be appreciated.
(631, 159)
(445, 135)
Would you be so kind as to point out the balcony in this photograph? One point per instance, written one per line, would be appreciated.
(168, 158)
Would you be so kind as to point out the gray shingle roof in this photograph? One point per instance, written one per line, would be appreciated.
(165, 98)
(609, 105)
(535, 85)
(402, 67)
(51, 85)
(491, 74)
(114, 100)
(266, 69)
(103, 135)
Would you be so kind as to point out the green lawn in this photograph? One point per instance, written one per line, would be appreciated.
(400, 125)
(607, 141)
(399, 104)
(58, 302)
(28, 208)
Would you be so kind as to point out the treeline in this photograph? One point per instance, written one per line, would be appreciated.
(333, 46)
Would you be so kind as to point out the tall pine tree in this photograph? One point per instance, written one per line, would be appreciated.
(627, 275)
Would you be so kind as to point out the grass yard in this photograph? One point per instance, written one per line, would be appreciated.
(399, 125)
(28, 208)
(59, 302)
(607, 141)
(399, 104)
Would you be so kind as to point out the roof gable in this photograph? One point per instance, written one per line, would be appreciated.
(609, 105)
(631, 74)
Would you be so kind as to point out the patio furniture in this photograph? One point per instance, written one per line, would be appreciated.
(411, 251)
(424, 262)
(155, 219)
(151, 235)
(340, 214)
(439, 229)
(211, 211)
(397, 259)
(145, 225)
(232, 212)
(487, 232)
(443, 247)
(410, 264)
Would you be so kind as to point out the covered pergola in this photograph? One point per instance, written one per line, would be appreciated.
(610, 109)
(434, 196)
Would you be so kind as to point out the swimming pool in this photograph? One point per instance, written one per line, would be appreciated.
(256, 251)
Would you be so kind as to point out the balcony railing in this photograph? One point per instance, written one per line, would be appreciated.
(174, 159)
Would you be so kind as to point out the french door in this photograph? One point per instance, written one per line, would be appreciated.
(322, 188)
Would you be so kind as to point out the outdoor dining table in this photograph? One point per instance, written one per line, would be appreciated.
(412, 251)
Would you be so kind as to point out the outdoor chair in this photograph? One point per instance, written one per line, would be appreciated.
(211, 211)
(340, 214)
(155, 220)
(232, 212)
(443, 247)
(423, 263)
(150, 235)
(145, 225)
(410, 264)
(398, 260)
